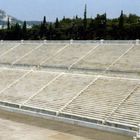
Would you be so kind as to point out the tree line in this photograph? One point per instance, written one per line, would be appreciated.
(125, 27)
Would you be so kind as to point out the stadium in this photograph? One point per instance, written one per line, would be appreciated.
(90, 84)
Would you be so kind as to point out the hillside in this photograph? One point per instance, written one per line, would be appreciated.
(4, 18)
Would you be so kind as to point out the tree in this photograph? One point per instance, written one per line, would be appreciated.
(16, 32)
(121, 20)
(44, 20)
(100, 26)
(76, 17)
(50, 32)
(121, 26)
(56, 23)
(43, 29)
(24, 30)
(85, 17)
(92, 29)
(132, 18)
(8, 24)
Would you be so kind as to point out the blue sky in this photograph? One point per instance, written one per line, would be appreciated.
(36, 9)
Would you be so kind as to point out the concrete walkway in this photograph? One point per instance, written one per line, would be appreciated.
(20, 127)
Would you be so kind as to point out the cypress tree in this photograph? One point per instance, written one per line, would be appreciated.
(56, 23)
(8, 24)
(44, 20)
(17, 32)
(43, 29)
(76, 17)
(121, 26)
(121, 20)
(50, 31)
(24, 30)
(85, 17)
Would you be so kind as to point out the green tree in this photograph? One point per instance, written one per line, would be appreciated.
(121, 26)
(44, 20)
(100, 26)
(16, 32)
(24, 30)
(92, 32)
(133, 18)
(121, 20)
(56, 23)
(8, 23)
(43, 29)
(85, 17)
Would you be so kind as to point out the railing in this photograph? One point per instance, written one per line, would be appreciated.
(137, 41)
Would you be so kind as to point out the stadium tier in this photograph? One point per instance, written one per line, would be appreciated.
(56, 83)
(94, 57)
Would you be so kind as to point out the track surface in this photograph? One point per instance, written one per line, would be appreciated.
(21, 127)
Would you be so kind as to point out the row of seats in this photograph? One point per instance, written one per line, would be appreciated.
(87, 96)
(92, 57)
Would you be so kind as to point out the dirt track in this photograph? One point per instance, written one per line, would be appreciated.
(19, 127)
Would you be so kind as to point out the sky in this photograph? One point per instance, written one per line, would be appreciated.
(36, 9)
